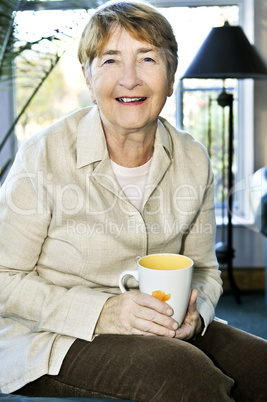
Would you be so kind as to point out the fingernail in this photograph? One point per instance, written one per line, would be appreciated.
(172, 333)
(169, 312)
(175, 326)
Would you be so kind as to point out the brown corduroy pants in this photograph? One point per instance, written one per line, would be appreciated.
(225, 364)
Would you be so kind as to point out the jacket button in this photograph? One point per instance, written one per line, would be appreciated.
(148, 207)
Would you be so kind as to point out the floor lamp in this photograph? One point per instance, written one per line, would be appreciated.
(227, 53)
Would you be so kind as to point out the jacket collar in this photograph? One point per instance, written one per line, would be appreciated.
(91, 142)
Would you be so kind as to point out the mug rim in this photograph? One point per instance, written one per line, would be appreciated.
(166, 270)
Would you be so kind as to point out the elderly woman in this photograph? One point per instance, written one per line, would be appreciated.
(83, 201)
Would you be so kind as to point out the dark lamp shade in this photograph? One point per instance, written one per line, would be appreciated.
(227, 53)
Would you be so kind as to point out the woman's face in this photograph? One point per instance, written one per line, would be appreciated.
(129, 83)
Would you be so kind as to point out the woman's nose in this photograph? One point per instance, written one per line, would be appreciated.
(130, 77)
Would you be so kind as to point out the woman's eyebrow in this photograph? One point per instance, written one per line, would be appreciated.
(142, 50)
(146, 50)
(110, 52)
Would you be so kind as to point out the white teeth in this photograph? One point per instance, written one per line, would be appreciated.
(127, 100)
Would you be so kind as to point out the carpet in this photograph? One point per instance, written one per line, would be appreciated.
(250, 315)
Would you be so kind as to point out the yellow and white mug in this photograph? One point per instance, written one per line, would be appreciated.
(165, 276)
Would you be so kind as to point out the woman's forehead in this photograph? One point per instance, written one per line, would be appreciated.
(120, 38)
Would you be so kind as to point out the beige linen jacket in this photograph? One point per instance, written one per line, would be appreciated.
(67, 231)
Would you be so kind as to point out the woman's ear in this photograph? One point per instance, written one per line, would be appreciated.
(88, 83)
(170, 87)
(85, 76)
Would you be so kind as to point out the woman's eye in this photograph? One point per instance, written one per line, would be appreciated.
(109, 61)
(147, 59)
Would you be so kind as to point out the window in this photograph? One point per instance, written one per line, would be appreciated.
(65, 91)
(200, 115)
(54, 61)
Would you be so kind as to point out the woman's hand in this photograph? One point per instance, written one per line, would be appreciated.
(192, 324)
(136, 313)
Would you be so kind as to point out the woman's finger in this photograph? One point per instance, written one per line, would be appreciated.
(192, 305)
(129, 313)
(150, 321)
(149, 301)
(192, 320)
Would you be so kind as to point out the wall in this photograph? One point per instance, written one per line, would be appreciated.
(249, 247)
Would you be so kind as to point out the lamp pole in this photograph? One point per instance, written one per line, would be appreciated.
(227, 99)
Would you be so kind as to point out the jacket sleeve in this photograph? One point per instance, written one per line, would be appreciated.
(31, 300)
(199, 244)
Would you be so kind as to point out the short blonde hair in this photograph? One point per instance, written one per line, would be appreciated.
(141, 20)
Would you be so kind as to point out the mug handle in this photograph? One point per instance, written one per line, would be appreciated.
(131, 272)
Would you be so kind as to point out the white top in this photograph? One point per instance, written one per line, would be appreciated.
(132, 181)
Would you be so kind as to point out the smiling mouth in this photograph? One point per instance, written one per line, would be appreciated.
(131, 100)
